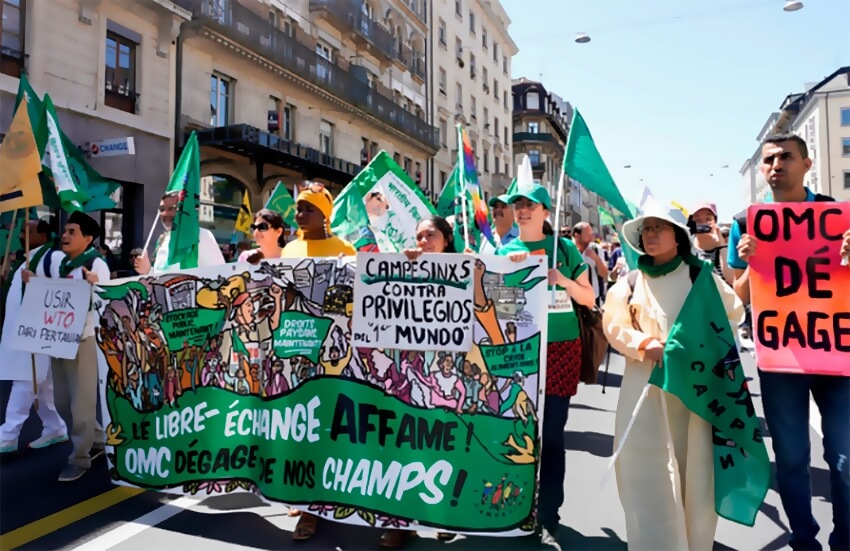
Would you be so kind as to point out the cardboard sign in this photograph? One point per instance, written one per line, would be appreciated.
(798, 287)
(52, 317)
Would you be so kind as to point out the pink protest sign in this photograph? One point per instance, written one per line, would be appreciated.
(799, 290)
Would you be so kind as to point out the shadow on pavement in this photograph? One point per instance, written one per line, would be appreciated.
(590, 408)
(594, 443)
(569, 538)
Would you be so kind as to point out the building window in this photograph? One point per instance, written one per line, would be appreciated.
(505, 101)
(459, 49)
(484, 38)
(458, 9)
(846, 179)
(288, 123)
(496, 164)
(323, 68)
(459, 93)
(471, 65)
(486, 117)
(506, 135)
(326, 138)
(473, 106)
(471, 22)
(485, 78)
(442, 81)
(12, 55)
(397, 159)
(534, 157)
(373, 150)
(532, 101)
(443, 178)
(845, 147)
(221, 90)
(408, 166)
(486, 161)
(120, 73)
(845, 111)
(441, 32)
(496, 89)
(534, 127)
(444, 132)
(504, 64)
(496, 127)
(275, 114)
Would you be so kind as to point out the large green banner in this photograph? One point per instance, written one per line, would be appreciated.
(244, 379)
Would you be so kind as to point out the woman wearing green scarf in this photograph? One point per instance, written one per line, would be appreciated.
(665, 468)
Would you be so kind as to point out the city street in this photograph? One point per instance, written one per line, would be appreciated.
(36, 512)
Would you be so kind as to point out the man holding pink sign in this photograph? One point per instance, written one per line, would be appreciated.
(798, 283)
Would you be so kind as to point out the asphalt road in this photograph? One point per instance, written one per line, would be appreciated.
(36, 512)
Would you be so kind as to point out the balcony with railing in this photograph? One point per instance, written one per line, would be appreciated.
(537, 137)
(253, 32)
(348, 16)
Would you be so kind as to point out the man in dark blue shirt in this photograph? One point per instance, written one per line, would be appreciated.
(784, 163)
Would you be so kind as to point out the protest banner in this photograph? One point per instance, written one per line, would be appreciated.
(421, 305)
(387, 205)
(801, 307)
(268, 395)
(52, 317)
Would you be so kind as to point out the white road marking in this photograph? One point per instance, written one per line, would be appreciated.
(110, 539)
(814, 417)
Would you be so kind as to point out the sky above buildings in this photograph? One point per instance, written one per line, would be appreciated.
(678, 89)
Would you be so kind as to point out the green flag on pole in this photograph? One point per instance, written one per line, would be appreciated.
(350, 219)
(280, 201)
(583, 163)
(702, 368)
(186, 183)
(58, 159)
(605, 218)
(446, 201)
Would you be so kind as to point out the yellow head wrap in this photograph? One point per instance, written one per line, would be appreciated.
(322, 200)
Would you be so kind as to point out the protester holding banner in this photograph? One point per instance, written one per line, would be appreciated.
(209, 253)
(314, 206)
(531, 204)
(268, 235)
(785, 395)
(17, 366)
(79, 259)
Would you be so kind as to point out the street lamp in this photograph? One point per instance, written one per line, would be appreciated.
(792, 5)
(584, 38)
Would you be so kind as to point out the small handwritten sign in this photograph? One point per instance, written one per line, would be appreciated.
(52, 317)
(426, 304)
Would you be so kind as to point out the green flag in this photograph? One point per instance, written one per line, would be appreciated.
(702, 368)
(95, 191)
(186, 182)
(350, 219)
(446, 201)
(605, 218)
(280, 201)
(57, 161)
(583, 163)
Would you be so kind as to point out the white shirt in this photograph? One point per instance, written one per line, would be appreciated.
(99, 267)
(593, 273)
(209, 254)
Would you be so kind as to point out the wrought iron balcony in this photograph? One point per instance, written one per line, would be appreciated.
(244, 27)
(347, 15)
(536, 137)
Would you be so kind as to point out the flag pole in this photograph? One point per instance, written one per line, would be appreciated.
(556, 231)
(150, 234)
(32, 356)
(9, 243)
(462, 180)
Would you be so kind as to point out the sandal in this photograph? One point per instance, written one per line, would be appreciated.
(395, 539)
(446, 536)
(306, 527)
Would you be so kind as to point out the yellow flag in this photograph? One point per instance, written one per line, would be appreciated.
(680, 207)
(245, 218)
(20, 165)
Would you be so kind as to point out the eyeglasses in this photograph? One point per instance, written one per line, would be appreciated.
(262, 226)
(315, 187)
(525, 206)
(654, 228)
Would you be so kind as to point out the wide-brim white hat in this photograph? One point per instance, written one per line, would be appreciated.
(631, 228)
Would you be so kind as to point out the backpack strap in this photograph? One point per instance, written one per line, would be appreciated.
(693, 273)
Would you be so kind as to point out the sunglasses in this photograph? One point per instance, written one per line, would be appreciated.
(262, 226)
(315, 187)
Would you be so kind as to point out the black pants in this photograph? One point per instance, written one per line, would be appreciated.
(553, 458)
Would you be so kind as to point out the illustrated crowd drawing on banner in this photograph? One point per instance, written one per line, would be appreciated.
(243, 378)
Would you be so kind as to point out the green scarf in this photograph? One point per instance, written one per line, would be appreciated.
(68, 264)
(647, 265)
